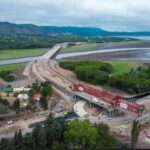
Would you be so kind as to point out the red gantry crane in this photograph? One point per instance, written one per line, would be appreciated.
(114, 100)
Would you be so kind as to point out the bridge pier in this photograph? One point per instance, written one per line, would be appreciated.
(144, 118)
(75, 97)
(113, 112)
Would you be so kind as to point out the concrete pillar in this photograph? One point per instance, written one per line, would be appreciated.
(116, 111)
(112, 113)
(109, 113)
(90, 104)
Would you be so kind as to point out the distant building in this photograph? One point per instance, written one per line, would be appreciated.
(23, 97)
(21, 89)
(37, 96)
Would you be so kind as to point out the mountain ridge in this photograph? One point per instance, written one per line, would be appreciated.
(7, 28)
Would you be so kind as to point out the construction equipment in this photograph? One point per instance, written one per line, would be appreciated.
(114, 100)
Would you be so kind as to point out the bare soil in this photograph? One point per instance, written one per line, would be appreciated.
(93, 110)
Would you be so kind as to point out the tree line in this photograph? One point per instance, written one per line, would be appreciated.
(35, 41)
(4, 105)
(23, 41)
(100, 73)
(58, 134)
(91, 72)
(134, 82)
(7, 76)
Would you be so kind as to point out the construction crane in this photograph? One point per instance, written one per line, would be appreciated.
(114, 100)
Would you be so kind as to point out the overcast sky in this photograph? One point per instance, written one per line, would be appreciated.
(114, 15)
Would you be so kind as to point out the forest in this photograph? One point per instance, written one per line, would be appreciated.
(91, 72)
(23, 41)
(135, 81)
(35, 41)
(58, 134)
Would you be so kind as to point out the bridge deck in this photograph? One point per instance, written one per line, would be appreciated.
(91, 99)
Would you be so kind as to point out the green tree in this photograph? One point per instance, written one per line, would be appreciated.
(46, 91)
(54, 129)
(35, 134)
(58, 146)
(49, 120)
(31, 93)
(7, 76)
(4, 101)
(3, 108)
(44, 102)
(105, 139)
(20, 139)
(5, 144)
(57, 129)
(27, 141)
(135, 133)
(42, 141)
(81, 134)
(16, 138)
(139, 68)
(16, 105)
(36, 86)
(148, 70)
(106, 67)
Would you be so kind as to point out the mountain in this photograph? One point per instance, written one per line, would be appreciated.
(7, 28)
(80, 31)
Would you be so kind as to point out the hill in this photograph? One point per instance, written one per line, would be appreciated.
(7, 28)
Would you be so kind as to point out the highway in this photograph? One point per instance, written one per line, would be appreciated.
(73, 54)
(46, 69)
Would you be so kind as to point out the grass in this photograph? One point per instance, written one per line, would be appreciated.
(120, 67)
(94, 46)
(20, 53)
(81, 47)
(13, 67)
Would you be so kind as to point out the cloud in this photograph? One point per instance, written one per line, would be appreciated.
(115, 15)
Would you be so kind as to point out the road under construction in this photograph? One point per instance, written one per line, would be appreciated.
(82, 98)
(47, 69)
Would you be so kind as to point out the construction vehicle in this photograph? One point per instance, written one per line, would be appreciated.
(114, 100)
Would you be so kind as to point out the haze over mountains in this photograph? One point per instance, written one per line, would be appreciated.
(7, 28)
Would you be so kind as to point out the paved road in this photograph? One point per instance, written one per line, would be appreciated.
(43, 76)
(61, 56)
(67, 55)
(18, 61)
(38, 71)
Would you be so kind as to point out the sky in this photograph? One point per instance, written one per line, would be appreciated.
(112, 15)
